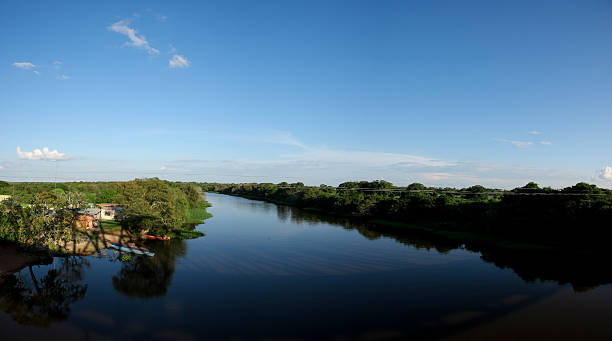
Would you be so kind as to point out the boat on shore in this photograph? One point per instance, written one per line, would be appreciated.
(130, 249)
(151, 237)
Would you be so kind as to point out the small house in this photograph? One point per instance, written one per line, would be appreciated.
(4, 197)
(87, 218)
(109, 211)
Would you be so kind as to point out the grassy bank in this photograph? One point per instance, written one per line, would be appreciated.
(197, 215)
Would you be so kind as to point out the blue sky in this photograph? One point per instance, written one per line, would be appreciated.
(438, 92)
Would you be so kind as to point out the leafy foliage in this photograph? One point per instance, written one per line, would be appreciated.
(43, 213)
(156, 206)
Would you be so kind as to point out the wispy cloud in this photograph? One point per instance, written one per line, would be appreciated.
(365, 158)
(63, 77)
(136, 40)
(292, 159)
(520, 144)
(279, 137)
(179, 61)
(524, 144)
(36, 72)
(318, 154)
(320, 164)
(44, 154)
(23, 65)
(535, 132)
(57, 64)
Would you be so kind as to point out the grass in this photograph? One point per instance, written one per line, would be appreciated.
(197, 215)
(110, 225)
(186, 234)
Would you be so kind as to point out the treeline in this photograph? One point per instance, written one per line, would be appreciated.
(36, 224)
(91, 192)
(160, 207)
(580, 213)
(45, 214)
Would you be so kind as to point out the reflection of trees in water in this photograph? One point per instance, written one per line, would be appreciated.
(583, 272)
(241, 204)
(283, 212)
(41, 301)
(147, 277)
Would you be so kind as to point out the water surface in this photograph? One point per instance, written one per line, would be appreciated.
(265, 271)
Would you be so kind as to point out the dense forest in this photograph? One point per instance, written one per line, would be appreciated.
(578, 214)
(44, 214)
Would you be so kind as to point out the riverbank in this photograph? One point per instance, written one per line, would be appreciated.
(49, 218)
(13, 258)
(451, 231)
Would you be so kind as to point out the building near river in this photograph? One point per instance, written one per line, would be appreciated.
(87, 218)
(109, 211)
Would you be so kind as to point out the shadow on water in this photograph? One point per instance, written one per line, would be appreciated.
(32, 299)
(148, 277)
(582, 271)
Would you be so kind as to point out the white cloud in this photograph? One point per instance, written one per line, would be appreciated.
(23, 65)
(136, 40)
(36, 72)
(535, 132)
(605, 174)
(57, 64)
(179, 61)
(522, 144)
(547, 143)
(63, 77)
(44, 154)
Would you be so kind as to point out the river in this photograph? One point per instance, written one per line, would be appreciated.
(271, 272)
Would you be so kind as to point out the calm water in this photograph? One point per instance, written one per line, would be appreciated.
(272, 272)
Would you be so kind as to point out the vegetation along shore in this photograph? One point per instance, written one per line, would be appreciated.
(575, 218)
(63, 218)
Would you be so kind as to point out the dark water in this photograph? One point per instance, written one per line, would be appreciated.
(272, 272)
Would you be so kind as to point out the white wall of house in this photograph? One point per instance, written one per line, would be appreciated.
(108, 213)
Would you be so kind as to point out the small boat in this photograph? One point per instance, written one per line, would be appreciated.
(151, 237)
(131, 249)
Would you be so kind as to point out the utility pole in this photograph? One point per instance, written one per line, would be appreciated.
(55, 180)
